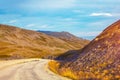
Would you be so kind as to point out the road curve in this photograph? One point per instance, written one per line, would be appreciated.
(29, 69)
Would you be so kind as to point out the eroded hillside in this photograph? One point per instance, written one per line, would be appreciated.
(99, 60)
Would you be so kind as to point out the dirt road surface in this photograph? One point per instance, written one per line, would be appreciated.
(27, 69)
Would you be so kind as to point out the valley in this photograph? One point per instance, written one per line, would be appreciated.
(59, 39)
(97, 60)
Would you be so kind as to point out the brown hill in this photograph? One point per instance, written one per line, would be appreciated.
(99, 60)
(21, 43)
(69, 38)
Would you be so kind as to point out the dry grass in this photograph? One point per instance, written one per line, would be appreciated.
(54, 66)
(95, 73)
(68, 73)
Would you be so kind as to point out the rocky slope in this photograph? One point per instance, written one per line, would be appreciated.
(69, 38)
(99, 60)
(21, 43)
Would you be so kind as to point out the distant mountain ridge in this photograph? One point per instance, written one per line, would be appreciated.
(68, 37)
(62, 34)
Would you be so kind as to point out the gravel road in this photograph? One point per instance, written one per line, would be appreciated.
(27, 69)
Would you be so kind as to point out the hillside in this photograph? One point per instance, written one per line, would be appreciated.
(99, 60)
(20, 43)
(69, 38)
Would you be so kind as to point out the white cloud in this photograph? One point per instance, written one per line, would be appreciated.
(30, 25)
(101, 14)
(46, 26)
(67, 19)
(93, 33)
(12, 21)
(78, 11)
(47, 4)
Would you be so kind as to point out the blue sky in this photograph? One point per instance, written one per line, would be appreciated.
(80, 17)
